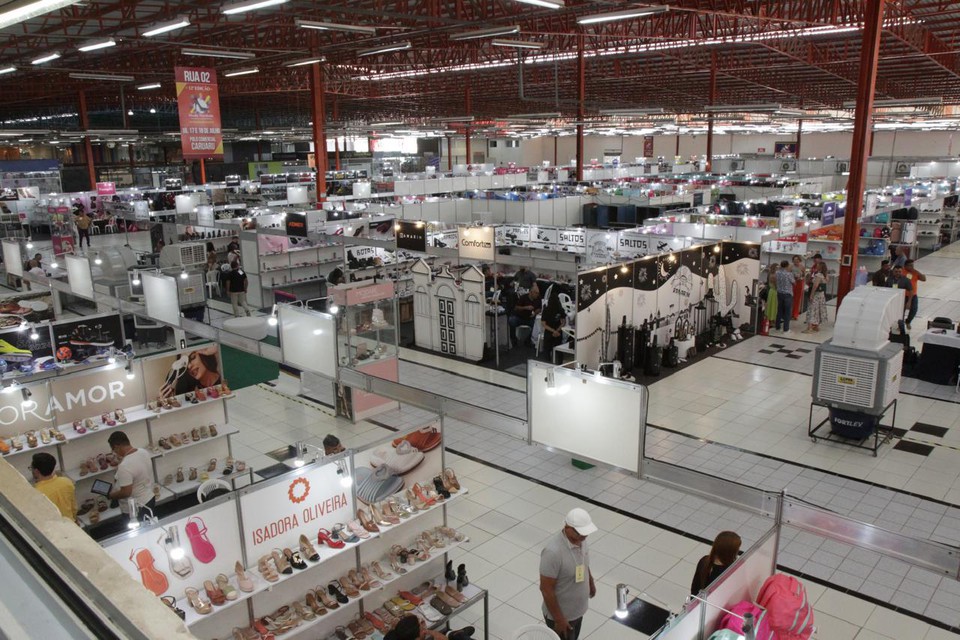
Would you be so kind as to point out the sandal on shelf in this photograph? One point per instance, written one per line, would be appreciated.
(180, 477)
(326, 600)
(324, 537)
(366, 522)
(229, 592)
(336, 590)
(379, 572)
(305, 613)
(197, 534)
(314, 604)
(282, 565)
(195, 434)
(365, 574)
(343, 534)
(383, 516)
(215, 595)
(295, 559)
(199, 605)
(243, 580)
(267, 571)
(213, 430)
(88, 505)
(450, 478)
(357, 529)
(307, 550)
(228, 469)
(212, 464)
(204, 431)
(171, 602)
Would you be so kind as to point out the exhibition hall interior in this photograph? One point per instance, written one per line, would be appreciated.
(480, 319)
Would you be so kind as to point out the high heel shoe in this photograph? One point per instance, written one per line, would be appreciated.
(415, 501)
(365, 573)
(358, 529)
(224, 585)
(442, 490)
(282, 565)
(243, 580)
(200, 605)
(305, 613)
(324, 537)
(268, 572)
(386, 515)
(379, 572)
(294, 558)
(434, 542)
(315, 605)
(358, 581)
(450, 479)
(346, 587)
(394, 560)
(366, 522)
(307, 549)
(325, 599)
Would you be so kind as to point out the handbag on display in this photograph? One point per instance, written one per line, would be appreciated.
(671, 355)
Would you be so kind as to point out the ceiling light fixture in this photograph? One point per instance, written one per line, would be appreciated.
(102, 76)
(893, 102)
(632, 112)
(392, 123)
(487, 33)
(241, 72)
(399, 46)
(96, 45)
(47, 58)
(767, 107)
(304, 63)
(7, 70)
(219, 53)
(179, 23)
(147, 87)
(32, 10)
(334, 26)
(534, 116)
(456, 119)
(518, 44)
(546, 4)
(252, 5)
(629, 14)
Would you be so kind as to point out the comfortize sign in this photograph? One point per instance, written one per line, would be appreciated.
(476, 243)
(198, 102)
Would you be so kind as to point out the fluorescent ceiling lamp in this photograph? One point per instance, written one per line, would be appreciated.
(533, 116)
(456, 119)
(241, 72)
(47, 58)
(6, 70)
(334, 26)
(632, 112)
(400, 46)
(29, 10)
(547, 4)
(97, 45)
(639, 12)
(219, 53)
(768, 107)
(101, 76)
(486, 33)
(252, 5)
(303, 63)
(147, 87)
(179, 23)
(386, 124)
(790, 113)
(518, 44)
(893, 102)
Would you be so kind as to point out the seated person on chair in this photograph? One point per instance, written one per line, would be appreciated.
(553, 319)
(524, 312)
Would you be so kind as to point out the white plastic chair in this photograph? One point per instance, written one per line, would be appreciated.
(568, 306)
(111, 225)
(212, 283)
(535, 631)
(210, 486)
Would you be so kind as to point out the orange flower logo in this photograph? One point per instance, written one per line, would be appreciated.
(298, 495)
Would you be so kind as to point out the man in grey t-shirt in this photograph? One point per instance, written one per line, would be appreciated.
(565, 579)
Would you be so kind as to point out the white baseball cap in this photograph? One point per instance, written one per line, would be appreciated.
(580, 520)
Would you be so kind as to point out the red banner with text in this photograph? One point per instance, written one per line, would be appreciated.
(199, 106)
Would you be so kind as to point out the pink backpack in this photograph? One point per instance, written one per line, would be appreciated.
(789, 615)
(734, 622)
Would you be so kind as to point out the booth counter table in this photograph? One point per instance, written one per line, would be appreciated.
(939, 356)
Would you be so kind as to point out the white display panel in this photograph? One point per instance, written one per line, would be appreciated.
(162, 297)
(296, 194)
(12, 259)
(80, 276)
(598, 418)
(476, 243)
(185, 202)
(308, 340)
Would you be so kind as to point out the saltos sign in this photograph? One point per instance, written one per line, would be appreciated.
(476, 243)
(411, 235)
(199, 105)
(275, 516)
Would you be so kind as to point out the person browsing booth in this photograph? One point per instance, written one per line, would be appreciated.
(134, 475)
(58, 489)
(566, 582)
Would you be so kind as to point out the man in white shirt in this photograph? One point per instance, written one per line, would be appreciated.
(134, 475)
(566, 582)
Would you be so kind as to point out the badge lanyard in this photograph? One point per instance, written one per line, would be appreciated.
(580, 571)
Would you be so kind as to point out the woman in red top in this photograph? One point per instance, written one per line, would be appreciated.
(799, 271)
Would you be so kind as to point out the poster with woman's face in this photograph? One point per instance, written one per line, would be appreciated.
(182, 372)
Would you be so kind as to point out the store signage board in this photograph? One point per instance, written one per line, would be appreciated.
(543, 238)
(600, 246)
(574, 240)
(411, 235)
(106, 189)
(633, 245)
(162, 298)
(698, 198)
(516, 235)
(870, 205)
(788, 221)
(297, 194)
(296, 224)
(647, 146)
(80, 276)
(829, 214)
(300, 503)
(351, 295)
(205, 215)
(198, 101)
(476, 243)
(308, 340)
(81, 396)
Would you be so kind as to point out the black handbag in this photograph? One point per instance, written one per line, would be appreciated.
(651, 363)
(671, 355)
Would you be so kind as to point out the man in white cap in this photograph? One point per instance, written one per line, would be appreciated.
(565, 579)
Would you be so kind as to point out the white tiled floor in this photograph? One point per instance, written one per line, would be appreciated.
(508, 518)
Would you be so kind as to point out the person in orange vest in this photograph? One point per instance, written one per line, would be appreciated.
(915, 278)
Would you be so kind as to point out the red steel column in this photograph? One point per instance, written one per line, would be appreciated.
(799, 133)
(203, 171)
(318, 107)
(87, 145)
(862, 136)
(581, 96)
(555, 139)
(336, 152)
(712, 97)
(449, 155)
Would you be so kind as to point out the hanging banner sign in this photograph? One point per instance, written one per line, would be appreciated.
(600, 246)
(543, 238)
(296, 225)
(516, 235)
(633, 246)
(788, 221)
(476, 243)
(647, 146)
(829, 213)
(106, 189)
(907, 196)
(411, 235)
(199, 105)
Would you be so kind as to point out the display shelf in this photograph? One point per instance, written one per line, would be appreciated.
(114, 512)
(190, 486)
(298, 266)
(26, 448)
(473, 594)
(292, 283)
(297, 250)
(434, 554)
(71, 434)
(325, 552)
(74, 474)
(192, 617)
(222, 432)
